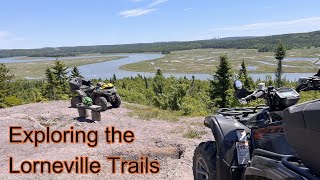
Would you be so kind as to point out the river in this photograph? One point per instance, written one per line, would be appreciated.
(105, 70)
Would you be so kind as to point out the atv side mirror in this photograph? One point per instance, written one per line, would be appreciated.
(237, 85)
(240, 91)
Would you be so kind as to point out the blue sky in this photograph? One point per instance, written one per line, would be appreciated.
(53, 23)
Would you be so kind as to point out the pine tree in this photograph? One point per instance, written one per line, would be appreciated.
(5, 79)
(75, 72)
(158, 82)
(192, 85)
(221, 84)
(50, 87)
(124, 85)
(244, 77)
(60, 72)
(279, 54)
(114, 78)
(159, 72)
(146, 83)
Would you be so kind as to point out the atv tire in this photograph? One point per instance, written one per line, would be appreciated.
(101, 101)
(117, 101)
(75, 100)
(204, 161)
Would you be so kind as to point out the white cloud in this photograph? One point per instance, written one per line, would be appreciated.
(157, 2)
(268, 28)
(143, 10)
(136, 12)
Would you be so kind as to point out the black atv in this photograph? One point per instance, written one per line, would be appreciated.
(100, 94)
(279, 140)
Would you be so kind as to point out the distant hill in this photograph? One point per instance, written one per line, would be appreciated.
(266, 43)
(237, 38)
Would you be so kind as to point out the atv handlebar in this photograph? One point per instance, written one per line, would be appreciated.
(253, 96)
(256, 95)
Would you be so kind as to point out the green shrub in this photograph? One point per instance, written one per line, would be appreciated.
(2, 105)
(161, 101)
(309, 95)
(12, 101)
(192, 106)
(132, 96)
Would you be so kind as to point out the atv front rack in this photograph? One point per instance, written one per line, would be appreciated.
(240, 111)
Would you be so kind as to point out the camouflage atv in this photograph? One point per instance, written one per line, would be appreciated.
(100, 94)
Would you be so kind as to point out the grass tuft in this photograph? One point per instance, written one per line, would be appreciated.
(148, 113)
(192, 134)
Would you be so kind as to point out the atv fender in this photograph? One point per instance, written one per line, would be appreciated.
(81, 93)
(224, 130)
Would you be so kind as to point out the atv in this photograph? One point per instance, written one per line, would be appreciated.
(101, 94)
(278, 140)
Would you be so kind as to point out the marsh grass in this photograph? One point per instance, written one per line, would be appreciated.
(206, 61)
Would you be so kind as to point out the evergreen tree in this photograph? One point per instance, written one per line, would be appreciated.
(60, 72)
(192, 85)
(159, 72)
(114, 78)
(279, 54)
(158, 82)
(244, 77)
(174, 98)
(75, 72)
(5, 79)
(124, 85)
(221, 84)
(146, 82)
(50, 87)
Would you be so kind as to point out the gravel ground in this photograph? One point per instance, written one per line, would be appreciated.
(157, 139)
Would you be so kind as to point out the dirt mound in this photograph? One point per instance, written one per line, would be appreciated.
(158, 139)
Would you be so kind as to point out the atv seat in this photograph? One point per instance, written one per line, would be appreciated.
(87, 89)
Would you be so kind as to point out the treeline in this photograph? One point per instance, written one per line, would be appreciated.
(263, 44)
(45, 52)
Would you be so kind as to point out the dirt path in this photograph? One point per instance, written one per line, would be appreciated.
(157, 139)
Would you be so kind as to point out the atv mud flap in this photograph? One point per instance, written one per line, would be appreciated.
(225, 131)
(263, 167)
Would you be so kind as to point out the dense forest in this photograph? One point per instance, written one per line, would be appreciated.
(263, 44)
